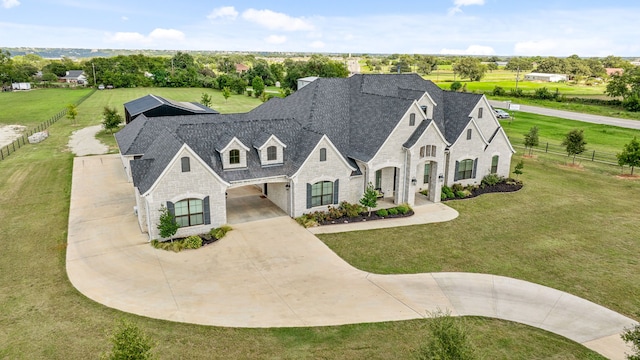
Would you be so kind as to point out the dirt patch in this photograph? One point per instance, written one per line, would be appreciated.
(572, 166)
(83, 142)
(8, 133)
(628, 177)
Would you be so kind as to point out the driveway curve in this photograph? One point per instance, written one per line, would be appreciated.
(274, 273)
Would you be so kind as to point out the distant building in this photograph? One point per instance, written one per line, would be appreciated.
(241, 68)
(545, 77)
(21, 86)
(611, 71)
(74, 77)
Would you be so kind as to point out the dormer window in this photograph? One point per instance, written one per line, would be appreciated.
(272, 153)
(424, 108)
(234, 156)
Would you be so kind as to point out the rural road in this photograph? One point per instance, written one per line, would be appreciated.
(594, 119)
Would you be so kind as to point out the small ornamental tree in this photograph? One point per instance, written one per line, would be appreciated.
(111, 119)
(574, 143)
(369, 198)
(531, 139)
(632, 337)
(129, 342)
(167, 225)
(226, 92)
(258, 85)
(518, 169)
(72, 112)
(630, 154)
(205, 99)
(455, 86)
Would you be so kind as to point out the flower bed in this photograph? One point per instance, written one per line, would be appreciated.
(347, 213)
(489, 184)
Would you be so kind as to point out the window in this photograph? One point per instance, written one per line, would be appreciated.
(494, 164)
(479, 113)
(429, 150)
(465, 169)
(272, 153)
(412, 119)
(323, 154)
(322, 193)
(423, 151)
(186, 166)
(189, 212)
(379, 179)
(433, 150)
(424, 108)
(427, 171)
(234, 156)
(468, 134)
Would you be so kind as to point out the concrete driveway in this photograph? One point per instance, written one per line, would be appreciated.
(274, 273)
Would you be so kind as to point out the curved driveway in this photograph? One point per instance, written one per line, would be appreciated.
(274, 273)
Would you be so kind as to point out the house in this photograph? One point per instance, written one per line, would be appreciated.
(241, 68)
(545, 77)
(74, 77)
(613, 71)
(153, 106)
(315, 148)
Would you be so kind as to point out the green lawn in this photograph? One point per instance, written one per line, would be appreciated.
(592, 253)
(30, 108)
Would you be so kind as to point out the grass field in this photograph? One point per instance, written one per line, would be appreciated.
(30, 108)
(565, 229)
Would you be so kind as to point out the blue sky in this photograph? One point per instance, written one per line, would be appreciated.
(475, 27)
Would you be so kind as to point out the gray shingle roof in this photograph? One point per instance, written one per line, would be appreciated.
(357, 114)
(148, 103)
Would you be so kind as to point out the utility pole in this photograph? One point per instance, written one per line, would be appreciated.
(94, 74)
(517, 78)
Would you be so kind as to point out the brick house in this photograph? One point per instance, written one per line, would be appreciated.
(319, 146)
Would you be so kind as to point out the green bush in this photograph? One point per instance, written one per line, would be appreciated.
(425, 192)
(499, 91)
(631, 103)
(448, 193)
(306, 220)
(455, 86)
(457, 187)
(403, 209)
(443, 196)
(220, 232)
(516, 93)
(351, 210)
(335, 212)
(393, 211)
(382, 212)
(193, 242)
(129, 342)
(461, 194)
(177, 246)
(491, 179)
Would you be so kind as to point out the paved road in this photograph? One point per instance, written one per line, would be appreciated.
(274, 273)
(595, 119)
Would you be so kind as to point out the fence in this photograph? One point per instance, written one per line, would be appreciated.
(602, 157)
(22, 140)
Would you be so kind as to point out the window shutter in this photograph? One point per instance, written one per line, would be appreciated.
(171, 208)
(207, 211)
(455, 174)
(335, 191)
(308, 196)
(475, 166)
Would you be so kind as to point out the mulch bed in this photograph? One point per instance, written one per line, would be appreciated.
(364, 217)
(498, 188)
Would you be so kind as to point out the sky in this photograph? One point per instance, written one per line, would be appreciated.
(466, 27)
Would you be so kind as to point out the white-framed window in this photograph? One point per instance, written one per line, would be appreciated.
(189, 212)
(272, 153)
(234, 157)
(494, 164)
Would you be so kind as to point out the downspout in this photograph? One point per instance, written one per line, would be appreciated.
(407, 173)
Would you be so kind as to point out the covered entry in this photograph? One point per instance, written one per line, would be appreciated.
(250, 203)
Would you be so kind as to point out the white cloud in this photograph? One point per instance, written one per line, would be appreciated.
(166, 34)
(223, 12)
(126, 37)
(8, 4)
(317, 44)
(276, 39)
(276, 21)
(458, 4)
(124, 18)
(471, 50)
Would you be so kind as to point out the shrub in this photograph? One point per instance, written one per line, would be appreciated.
(393, 211)
(249, 92)
(220, 232)
(193, 242)
(335, 212)
(491, 179)
(449, 339)
(461, 194)
(631, 103)
(403, 209)
(306, 220)
(382, 212)
(455, 86)
(351, 210)
(448, 194)
(516, 93)
(129, 342)
(176, 246)
(425, 192)
(499, 91)
(544, 94)
(457, 187)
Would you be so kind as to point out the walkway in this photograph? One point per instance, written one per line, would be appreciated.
(83, 142)
(594, 119)
(274, 273)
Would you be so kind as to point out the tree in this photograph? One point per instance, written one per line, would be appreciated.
(574, 143)
(531, 139)
(518, 169)
(519, 63)
(630, 154)
(369, 198)
(111, 119)
(632, 335)
(626, 85)
(129, 342)
(469, 67)
(448, 340)
(455, 86)
(205, 99)
(258, 85)
(167, 225)
(72, 112)
(226, 92)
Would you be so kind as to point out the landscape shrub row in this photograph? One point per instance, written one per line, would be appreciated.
(193, 241)
(346, 210)
(457, 191)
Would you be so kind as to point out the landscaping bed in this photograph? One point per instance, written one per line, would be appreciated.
(347, 213)
(490, 184)
(193, 241)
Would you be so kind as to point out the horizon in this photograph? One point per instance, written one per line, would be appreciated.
(545, 28)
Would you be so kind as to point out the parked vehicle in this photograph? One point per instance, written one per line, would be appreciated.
(501, 114)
